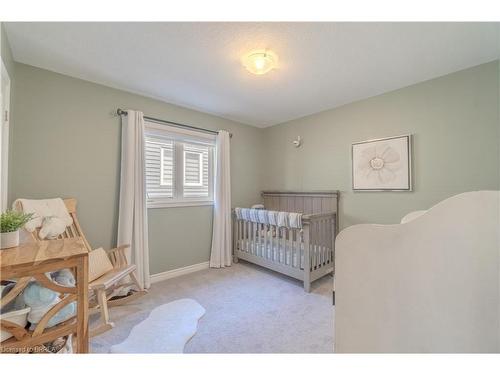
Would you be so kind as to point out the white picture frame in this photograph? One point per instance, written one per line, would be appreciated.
(382, 164)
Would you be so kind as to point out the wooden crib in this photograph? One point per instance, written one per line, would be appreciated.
(305, 254)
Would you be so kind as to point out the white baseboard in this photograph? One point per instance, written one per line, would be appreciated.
(157, 277)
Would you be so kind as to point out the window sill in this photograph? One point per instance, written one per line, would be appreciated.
(179, 204)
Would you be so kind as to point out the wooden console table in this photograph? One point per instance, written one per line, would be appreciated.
(31, 261)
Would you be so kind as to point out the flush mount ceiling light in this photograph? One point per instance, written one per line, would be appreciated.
(260, 62)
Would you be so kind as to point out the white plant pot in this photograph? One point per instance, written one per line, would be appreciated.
(9, 239)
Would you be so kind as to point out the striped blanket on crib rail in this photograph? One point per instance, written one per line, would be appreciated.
(278, 218)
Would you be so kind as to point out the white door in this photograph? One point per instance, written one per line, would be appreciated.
(4, 135)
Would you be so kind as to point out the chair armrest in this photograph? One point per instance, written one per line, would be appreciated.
(117, 256)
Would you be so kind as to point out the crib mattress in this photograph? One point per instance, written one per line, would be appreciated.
(276, 251)
(281, 253)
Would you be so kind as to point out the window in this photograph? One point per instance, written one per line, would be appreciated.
(179, 166)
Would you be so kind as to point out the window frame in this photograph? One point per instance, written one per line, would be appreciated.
(181, 136)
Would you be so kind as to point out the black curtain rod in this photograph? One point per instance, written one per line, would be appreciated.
(121, 112)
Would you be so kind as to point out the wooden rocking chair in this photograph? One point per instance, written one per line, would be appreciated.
(105, 290)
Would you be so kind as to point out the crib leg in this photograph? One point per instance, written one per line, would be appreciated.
(307, 286)
(235, 258)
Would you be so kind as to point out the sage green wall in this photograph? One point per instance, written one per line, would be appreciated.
(66, 142)
(455, 124)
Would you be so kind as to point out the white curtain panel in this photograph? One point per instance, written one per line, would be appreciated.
(132, 217)
(221, 237)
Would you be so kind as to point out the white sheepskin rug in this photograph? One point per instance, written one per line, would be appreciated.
(166, 330)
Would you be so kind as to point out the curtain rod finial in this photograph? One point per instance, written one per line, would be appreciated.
(120, 112)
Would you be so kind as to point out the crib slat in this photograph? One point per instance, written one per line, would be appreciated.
(261, 239)
(257, 239)
(271, 242)
(235, 237)
(247, 235)
(282, 245)
(327, 233)
(243, 236)
(290, 242)
(265, 242)
(294, 247)
(314, 239)
(320, 244)
(274, 239)
(325, 245)
(250, 237)
(240, 232)
(258, 235)
(287, 245)
(278, 244)
(329, 240)
(254, 247)
(298, 242)
(322, 236)
(323, 241)
(332, 241)
(318, 260)
(274, 234)
(250, 225)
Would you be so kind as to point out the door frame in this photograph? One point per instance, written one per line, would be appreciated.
(4, 134)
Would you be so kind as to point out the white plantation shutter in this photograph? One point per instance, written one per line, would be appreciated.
(159, 168)
(167, 168)
(196, 170)
(179, 167)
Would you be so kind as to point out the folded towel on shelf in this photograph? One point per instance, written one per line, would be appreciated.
(50, 215)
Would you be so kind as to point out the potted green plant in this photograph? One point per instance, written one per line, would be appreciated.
(10, 222)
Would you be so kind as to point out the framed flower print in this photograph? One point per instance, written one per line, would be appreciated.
(382, 164)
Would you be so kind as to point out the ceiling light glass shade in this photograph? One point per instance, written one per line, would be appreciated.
(260, 62)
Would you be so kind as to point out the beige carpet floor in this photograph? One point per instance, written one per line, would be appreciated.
(248, 310)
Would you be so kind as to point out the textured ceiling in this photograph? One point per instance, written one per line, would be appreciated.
(197, 65)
